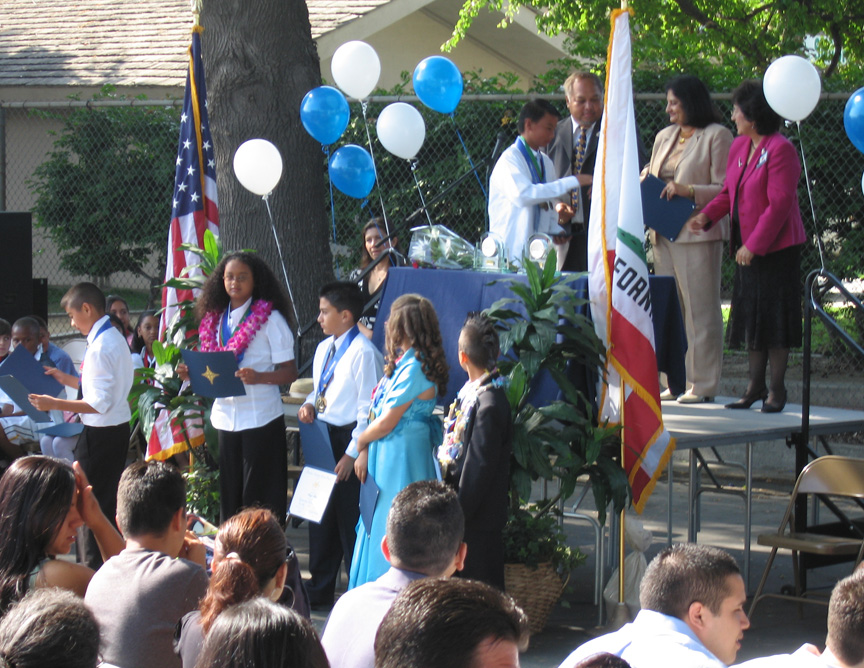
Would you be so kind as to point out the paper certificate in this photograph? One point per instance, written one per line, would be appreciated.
(312, 494)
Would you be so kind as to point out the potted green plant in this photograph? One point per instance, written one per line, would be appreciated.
(541, 331)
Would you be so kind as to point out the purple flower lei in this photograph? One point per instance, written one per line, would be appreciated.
(240, 340)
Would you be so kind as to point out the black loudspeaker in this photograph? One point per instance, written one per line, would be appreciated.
(16, 269)
(40, 298)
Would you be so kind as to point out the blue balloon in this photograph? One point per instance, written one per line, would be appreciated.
(438, 84)
(853, 119)
(324, 113)
(352, 170)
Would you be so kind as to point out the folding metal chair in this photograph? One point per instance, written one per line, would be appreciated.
(826, 476)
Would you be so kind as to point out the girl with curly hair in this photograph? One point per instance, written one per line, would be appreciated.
(397, 447)
(243, 308)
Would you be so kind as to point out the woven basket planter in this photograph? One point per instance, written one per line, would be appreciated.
(536, 590)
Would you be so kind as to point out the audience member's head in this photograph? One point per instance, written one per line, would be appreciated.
(151, 501)
(425, 528)
(119, 307)
(478, 340)
(25, 332)
(248, 561)
(49, 628)
(749, 97)
(453, 623)
(703, 587)
(146, 331)
(372, 245)
(602, 660)
(38, 518)
(44, 334)
(846, 620)
(5, 337)
(262, 633)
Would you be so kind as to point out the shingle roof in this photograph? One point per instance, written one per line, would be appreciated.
(123, 42)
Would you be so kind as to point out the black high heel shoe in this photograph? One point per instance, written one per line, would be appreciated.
(774, 406)
(748, 400)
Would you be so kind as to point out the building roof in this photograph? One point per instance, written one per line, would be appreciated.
(122, 42)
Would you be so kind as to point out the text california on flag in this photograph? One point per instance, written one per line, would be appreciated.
(195, 208)
(618, 280)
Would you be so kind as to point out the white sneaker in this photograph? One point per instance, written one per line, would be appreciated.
(667, 395)
(690, 398)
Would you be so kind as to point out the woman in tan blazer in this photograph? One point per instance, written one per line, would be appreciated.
(690, 156)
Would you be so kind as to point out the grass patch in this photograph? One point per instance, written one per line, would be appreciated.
(137, 299)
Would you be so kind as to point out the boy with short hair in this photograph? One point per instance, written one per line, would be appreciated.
(139, 595)
(106, 378)
(345, 370)
(56, 354)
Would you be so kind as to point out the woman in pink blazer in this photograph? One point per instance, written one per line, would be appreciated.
(690, 156)
(760, 194)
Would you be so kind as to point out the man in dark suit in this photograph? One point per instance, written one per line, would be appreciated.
(573, 151)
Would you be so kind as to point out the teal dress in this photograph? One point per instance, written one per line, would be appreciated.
(404, 456)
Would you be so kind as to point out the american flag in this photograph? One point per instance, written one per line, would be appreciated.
(195, 207)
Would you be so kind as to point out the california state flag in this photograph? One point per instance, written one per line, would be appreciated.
(618, 280)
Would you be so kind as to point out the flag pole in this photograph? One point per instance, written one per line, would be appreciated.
(621, 615)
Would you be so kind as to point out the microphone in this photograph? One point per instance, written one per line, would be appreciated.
(499, 139)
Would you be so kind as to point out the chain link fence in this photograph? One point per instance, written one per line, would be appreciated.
(99, 176)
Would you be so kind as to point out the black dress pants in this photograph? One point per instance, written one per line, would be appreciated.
(101, 452)
(253, 469)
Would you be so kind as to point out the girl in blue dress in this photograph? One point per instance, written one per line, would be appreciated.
(397, 448)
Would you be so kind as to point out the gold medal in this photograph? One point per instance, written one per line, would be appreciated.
(320, 403)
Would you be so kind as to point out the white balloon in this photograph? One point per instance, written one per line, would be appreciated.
(792, 87)
(258, 166)
(401, 129)
(356, 68)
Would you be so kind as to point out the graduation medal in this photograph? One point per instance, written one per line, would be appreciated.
(320, 403)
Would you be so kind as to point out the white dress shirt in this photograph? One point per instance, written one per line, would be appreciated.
(349, 393)
(272, 344)
(106, 377)
(514, 214)
(806, 656)
(652, 640)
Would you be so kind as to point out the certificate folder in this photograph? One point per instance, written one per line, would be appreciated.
(665, 216)
(30, 373)
(212, 374)
(315, 441)
(368, 499)
(18, 394)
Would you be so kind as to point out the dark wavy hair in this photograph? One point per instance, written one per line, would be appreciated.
(137, 340)
(699, 110)
(255, 535)
(413, 320)
(750, 99)
(261, 633)
(265, 286)
(36, 494)
(379, 224)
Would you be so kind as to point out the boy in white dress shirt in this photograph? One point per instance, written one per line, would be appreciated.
(345, 370)
(106, 378)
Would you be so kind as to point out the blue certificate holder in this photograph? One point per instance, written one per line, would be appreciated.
(16, 391)
(315, 441)
(212, 373)
(368, 498)
(22, 365)
(665, 216)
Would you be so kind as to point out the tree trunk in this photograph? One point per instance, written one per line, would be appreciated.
(260, 61)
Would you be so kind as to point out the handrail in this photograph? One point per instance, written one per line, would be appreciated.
(812, 305)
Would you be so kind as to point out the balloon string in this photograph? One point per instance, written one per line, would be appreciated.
(419, 190)
(468, 155)
(266, 199)
(326, 150)
(819, 243)
(364, 106)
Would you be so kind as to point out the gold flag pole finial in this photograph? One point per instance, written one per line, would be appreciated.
(196, 6)
(625, 4)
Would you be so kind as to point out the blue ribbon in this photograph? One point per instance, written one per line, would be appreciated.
(329, 367)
